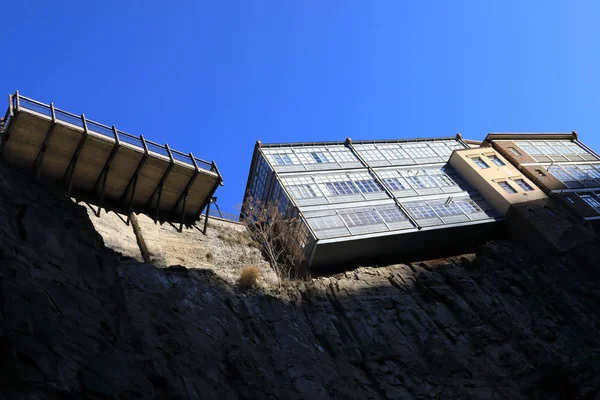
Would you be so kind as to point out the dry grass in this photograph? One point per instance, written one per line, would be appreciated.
(248, 277)
(210, 256)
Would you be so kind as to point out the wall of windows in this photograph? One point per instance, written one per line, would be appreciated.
(450, 210)
(311, 158)
(380, 154)
(554, 150)
(577, 175)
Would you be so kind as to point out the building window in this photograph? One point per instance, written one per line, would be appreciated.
(302, 191)
(394, 184)
(514, 151)
(468, 206)
(523, 185)
(421, 182)
(421, 211)
(443, 180)
(368, 186)
(480, 163)
(391, 214)
(326, 222)
(591, 201)
(357, 218)
(341, 188)
(444, 210)
(505, 185)
(496, 161)
(282, 159)
(319, 157)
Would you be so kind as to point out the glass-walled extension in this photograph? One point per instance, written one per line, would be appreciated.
(350, 191)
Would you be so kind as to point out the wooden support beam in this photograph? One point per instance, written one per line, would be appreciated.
(206, 216)
(159, 188)
(185, 197)
(184, 194)
(70, 171)
(39, 160)
(104, 173)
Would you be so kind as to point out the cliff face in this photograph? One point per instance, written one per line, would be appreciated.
(78, 319)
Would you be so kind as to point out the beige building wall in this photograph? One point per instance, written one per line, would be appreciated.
(490, 181)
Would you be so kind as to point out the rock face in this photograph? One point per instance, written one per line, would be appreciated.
(79, 320)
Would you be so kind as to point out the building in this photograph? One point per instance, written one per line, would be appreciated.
(105, 166)
(559, 164)
(499, 182)
(372, 199)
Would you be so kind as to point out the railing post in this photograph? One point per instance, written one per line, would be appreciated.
(11, 112)
(18, 102)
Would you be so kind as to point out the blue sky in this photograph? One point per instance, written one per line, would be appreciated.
(212, 77)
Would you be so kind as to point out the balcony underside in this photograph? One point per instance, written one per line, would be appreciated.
(29, 130)
(402, 247)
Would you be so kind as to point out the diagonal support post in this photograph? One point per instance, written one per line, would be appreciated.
(68, 175)
(159, 188)
(183, 196)
(101, 180)
(132, 184)
(39, 160)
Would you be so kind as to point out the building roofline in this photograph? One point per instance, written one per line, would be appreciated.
(529, 135)
(333, 143)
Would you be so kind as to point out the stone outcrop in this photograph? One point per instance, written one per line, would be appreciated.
(81, 320)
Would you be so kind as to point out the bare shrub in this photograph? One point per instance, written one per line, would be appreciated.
(210, 256)
(248, 277)
(278, 238)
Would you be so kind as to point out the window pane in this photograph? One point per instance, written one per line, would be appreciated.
(507, 187)
(341, 188)
(302, 191)
(480, 163)
(394, 184)
(368, 186)
(366, 217)
(592, 201)
(496, 161)
(421, 182)
(523, 185)
(319, 157)
(420, 211)
(391, 214)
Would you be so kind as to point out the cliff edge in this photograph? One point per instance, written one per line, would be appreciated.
(81, 320)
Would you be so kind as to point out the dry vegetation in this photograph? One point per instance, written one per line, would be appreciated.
(279, 238)
(248, 277)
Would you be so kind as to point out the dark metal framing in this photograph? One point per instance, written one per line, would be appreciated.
(104, 173)
(158, 190)
(70, 171)
(184, 195)
(39, 160)
(132, 184)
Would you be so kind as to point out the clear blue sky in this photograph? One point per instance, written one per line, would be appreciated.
(212, 77)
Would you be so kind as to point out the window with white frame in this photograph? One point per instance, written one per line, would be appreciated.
(393, 152)
(342, 154)
(421, 181)
(441, 177)
(303, 191)
(319, 157)
(468, 206)
(419, 150)
(361, 217)
(524, 185)
(282, 159)
(445, 210)
(342, 188)
(420, 210)
(506, 186)
(394, 184)
(370, 152)
(391, 213)
(327, 222)
(496, 161)
(367, 186)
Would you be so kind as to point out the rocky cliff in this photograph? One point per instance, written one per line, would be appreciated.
(80, 320)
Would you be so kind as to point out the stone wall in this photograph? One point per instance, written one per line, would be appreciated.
(79, 320)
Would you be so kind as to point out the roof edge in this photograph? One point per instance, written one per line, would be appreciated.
(334, 143)
(529, 135)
